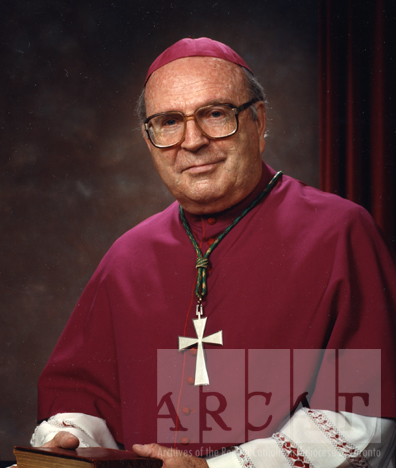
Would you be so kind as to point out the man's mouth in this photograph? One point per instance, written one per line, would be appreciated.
(202, 167)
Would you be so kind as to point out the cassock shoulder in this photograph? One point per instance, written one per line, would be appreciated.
(141, 241)
(323, 211)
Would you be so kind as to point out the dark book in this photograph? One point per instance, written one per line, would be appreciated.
(43, 457)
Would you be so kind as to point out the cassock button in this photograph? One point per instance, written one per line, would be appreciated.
(190, 380)
(185, 440)
(186, 411)
(193, 351)
(210, 241)
(211, 220)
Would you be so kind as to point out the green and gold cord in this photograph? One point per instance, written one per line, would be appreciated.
(203, 260)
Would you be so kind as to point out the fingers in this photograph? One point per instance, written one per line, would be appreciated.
(152, 451)
(64, 440)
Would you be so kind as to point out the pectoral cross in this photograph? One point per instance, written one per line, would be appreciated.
(201, 373)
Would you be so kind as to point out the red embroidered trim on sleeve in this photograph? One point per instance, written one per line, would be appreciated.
(294, 455)
(342, 445)
(243, 459)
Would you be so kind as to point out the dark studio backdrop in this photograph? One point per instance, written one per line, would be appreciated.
(75, 172)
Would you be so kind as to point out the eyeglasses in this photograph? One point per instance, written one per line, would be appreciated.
(215, 121)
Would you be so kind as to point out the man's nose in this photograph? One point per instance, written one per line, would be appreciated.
(193, 138)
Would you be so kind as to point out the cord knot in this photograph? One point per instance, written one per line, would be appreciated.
(202, 262)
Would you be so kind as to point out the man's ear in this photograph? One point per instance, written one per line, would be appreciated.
(261, 123)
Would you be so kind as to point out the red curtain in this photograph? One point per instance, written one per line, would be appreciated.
(357, 55)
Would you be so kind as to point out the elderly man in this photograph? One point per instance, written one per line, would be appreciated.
(289, 291)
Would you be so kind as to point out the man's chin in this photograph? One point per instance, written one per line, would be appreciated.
(203, 203)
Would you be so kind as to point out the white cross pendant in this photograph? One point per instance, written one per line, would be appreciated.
(201, 373)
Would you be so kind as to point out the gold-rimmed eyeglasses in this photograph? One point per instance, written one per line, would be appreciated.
(215, 121)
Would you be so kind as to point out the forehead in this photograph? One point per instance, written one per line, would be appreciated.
(191, 82)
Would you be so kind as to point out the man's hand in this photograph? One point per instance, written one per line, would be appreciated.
(63, 440)
(172, 458)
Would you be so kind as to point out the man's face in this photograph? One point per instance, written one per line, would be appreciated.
(205, 175)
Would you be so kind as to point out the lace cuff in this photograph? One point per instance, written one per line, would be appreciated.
(347, 449)
(316, 440)
(243, 458)
(295, 457)
(90, 430)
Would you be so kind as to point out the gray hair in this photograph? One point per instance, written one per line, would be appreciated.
(255, 91)
(141, 107)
